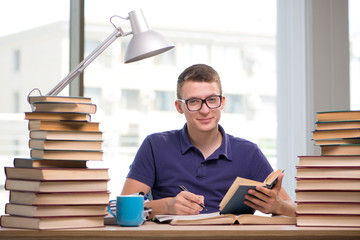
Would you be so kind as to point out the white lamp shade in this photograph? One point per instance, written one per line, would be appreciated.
(145, 42)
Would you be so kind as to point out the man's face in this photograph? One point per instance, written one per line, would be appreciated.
(205, 119)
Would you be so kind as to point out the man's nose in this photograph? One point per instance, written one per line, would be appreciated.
(204, 108)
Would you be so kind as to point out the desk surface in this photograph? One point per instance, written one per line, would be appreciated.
(152, 230)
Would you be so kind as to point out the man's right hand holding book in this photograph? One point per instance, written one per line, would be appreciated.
(275, 200)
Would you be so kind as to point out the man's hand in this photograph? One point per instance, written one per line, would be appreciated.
(275, 200)
(185, 203)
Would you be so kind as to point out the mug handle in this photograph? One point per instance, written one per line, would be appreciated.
(109, 209)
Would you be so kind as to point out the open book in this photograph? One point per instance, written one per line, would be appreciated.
(233, 201)
(224, 219)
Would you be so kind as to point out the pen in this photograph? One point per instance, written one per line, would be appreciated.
(183, 188)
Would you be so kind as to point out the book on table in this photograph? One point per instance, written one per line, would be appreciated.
(47, 223)
(316, 220)
(65, 144)
(48, 98)
(328, 172)
(59, 116)
(321, 184)
(48, 163)
(338, 133)
(224, 219)
(337, 141)
(56, 186)
(328, 186)
(55, 211)
(67, 154)
(233, 201)
(329, 161)
(88, 108)
(346, 149)
(345, 208)
(61, 198)
(346, 115)
(57, 173)
(52, 125)
(337, 125)
(66, 135)
(327, 196)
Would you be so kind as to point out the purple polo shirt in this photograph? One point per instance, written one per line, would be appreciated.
(167, 159)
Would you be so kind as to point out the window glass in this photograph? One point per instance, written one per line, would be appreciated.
(130, 99)
(236, 37)
(234, 103)
(354, 38)
(164, 101)
(34, 52)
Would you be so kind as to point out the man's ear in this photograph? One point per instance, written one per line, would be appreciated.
(178, 105)
(222, 102)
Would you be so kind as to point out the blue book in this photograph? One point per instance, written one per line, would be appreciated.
(233, 201)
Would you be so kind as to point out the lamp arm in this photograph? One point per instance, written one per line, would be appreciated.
(83, 64)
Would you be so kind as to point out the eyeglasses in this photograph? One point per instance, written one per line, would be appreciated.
(195, 104)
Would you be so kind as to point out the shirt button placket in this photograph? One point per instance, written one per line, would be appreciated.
(201, 171)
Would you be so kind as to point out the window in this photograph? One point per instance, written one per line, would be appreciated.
(131, 137)
(234, 103)
(165, 59)
(16, 60)
(34, 53)
(354, 38)
(236, 37)
(130, 99)
(164, 100)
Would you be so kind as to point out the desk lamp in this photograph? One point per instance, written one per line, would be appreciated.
(144, 43)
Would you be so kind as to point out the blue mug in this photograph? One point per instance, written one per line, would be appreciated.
(129, 210)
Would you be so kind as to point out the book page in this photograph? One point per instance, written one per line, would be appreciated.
(164, 218)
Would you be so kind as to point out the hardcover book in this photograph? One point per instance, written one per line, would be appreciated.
(329, 161)
(338, 133)
(66, 154)
(64, 107)
(65, 144)
(79, 198)
(337, 125)
(60, 116)
(346, 149)
(345, 115)
(233, 201)
(55, 211)
(56, 186)
(57, 173)
(327, 196)
(344, 172)
(46, 223)
(328, 208)
(48, 98)
(48, 163)
(224, 219)
(65, 135)
(313, 220)
(63, 125)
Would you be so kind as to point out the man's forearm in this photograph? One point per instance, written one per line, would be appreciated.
(160, 206)
(287, 208)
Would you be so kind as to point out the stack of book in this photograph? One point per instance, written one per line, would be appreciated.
(54, 188)
(328, 186)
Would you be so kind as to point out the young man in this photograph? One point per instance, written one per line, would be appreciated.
(201, 156)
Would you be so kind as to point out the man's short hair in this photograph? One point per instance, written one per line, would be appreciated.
(198, 73)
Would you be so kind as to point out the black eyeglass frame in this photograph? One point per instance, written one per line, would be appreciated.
(202, 102)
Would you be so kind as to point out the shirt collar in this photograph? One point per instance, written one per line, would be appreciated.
(223, 152)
